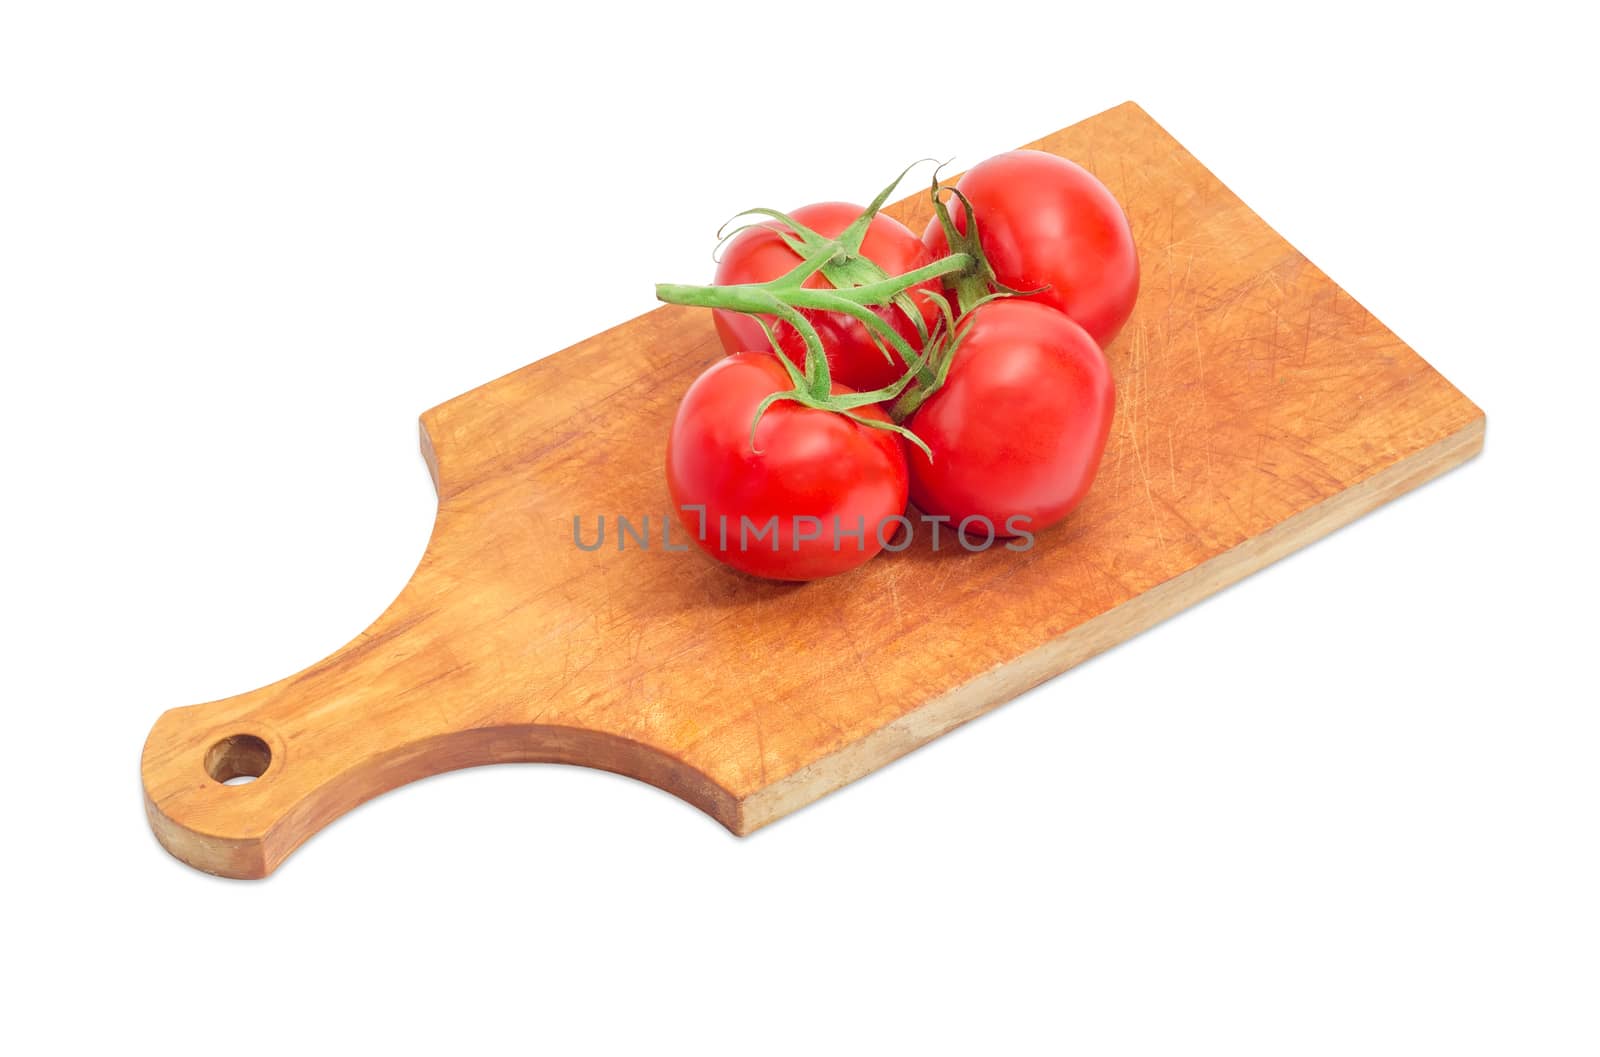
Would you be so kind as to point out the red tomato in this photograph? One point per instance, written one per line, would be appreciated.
(1019, 426)
(1045, 222)
(825, 487)
(759, 255)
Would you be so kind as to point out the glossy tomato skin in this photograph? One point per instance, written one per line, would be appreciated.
(807, 463)
(759, 255)
(1018, 429)
(1047, 222)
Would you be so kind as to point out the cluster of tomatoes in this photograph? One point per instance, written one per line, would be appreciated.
(961, 371)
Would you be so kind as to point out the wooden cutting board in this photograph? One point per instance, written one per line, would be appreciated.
(1259, 408)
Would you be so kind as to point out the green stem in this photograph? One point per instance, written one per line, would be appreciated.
(785, 296)
(973, 285)
(744, 297)
(762, 297)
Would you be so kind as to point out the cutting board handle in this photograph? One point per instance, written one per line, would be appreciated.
(233, 786)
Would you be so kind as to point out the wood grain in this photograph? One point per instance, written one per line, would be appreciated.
(1259, 408)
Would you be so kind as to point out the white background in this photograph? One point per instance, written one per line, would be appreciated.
(1349, 806)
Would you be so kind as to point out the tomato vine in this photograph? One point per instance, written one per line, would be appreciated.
(856, 286)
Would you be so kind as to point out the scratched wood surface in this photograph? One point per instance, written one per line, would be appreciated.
(1259, 407)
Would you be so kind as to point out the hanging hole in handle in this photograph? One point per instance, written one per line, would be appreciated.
(238, 759)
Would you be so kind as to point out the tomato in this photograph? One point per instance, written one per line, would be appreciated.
(1046, 222)
(759, 255)
(1019, 426)
(824, 489)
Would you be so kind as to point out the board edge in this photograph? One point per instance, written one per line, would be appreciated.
(1005, 682)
